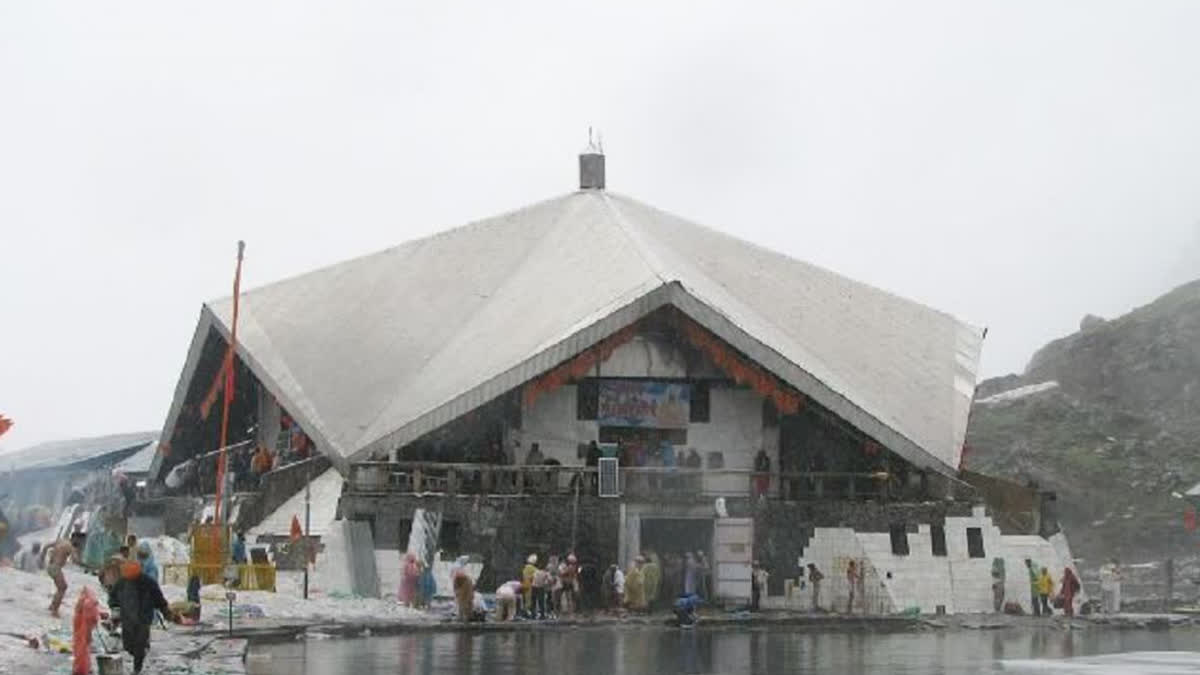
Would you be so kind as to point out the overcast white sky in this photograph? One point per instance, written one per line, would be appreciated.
(1018, 164)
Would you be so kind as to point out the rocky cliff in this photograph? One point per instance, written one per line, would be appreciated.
(1109, 418)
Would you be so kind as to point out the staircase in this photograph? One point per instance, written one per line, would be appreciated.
(423, 537)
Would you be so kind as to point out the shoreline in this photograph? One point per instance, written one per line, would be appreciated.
(292, 631)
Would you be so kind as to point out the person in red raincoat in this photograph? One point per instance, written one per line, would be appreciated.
(87, 615)
(410, 574)
(1070, 586)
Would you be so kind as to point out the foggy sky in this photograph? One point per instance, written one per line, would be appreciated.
(1018, 164)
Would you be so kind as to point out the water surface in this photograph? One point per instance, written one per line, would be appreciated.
(739, 651)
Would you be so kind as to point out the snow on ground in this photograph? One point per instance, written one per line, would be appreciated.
(25, 598)
(287, 604)
(1018, 393)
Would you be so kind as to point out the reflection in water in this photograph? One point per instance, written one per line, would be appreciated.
(664, 651)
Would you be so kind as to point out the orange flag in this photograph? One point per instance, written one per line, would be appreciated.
(297, 531)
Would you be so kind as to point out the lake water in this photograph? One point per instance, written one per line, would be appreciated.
(739, 651)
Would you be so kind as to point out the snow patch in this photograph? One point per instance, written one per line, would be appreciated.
(1018, 393)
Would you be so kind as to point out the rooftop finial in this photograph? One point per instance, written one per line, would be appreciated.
(591, 163)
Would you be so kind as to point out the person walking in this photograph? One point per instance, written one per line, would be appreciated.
(998, 578)
(1070, 586)
(407, 595)
(1110, 586)
(554, 587)
(568, 573)
(758, 584)
(1034, 600)
(1045, 586)
(145, 558)
(762, 473)
(56, 558)
(814, 581)
(138, 597)
(614, 587)
(541, 591)
(426, 585)
(635, 586)
(852, 578)
(691, 574)
(27, 558)
(705, 576)
(239, 548)
(652, 579)
(528, 572)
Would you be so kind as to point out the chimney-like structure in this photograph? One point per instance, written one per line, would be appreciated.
(591, 166)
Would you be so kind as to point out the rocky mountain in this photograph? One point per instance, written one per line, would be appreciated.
(1109, 418)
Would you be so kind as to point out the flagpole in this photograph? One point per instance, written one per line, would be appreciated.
(307, 519)
(229, 382)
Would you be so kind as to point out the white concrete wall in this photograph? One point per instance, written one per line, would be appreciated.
(551, 422)
(956, 581)
(734, 428)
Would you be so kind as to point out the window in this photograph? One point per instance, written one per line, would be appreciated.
(770, 414)
(699, 406)
(587, 400)
(937, 537)
(609, 481)
(975, 542)
(403, 534)
(899, 539)
(450, 539)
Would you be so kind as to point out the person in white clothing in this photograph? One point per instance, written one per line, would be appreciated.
(1110, 586)
(617, 587)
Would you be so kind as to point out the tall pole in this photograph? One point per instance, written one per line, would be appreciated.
(229, 382)
(575, 514)
(307, 519)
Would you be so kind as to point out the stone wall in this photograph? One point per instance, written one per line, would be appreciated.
(170, 515)
(277, 487)
(504, 530)
(782, 530)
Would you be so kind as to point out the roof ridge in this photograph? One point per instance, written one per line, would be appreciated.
(766, 250)
(440, 234)
(652, 260)
(362, 438)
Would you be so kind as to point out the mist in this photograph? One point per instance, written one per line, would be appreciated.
(1017, 164)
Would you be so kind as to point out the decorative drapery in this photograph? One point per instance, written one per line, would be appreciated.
(787, 400)
(577, 367)
(741, 370)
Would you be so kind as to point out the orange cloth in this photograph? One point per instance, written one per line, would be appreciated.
(87, 615)
(130, 569)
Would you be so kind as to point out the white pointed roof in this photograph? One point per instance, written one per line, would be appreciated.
(376, 351)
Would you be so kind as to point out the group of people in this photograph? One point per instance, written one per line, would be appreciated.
(1042, 597)
(417, 586)
(1041, 590)
(130, 577)
(638, 588)
(544, 589)
(548, 587)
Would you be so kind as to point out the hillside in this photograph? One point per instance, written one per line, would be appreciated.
(1109, 418)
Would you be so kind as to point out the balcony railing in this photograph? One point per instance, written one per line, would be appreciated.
(635, 482)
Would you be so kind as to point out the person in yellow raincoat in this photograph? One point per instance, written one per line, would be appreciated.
(527, 574)
(1045, 586)
(635, 589)
(651, 580)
